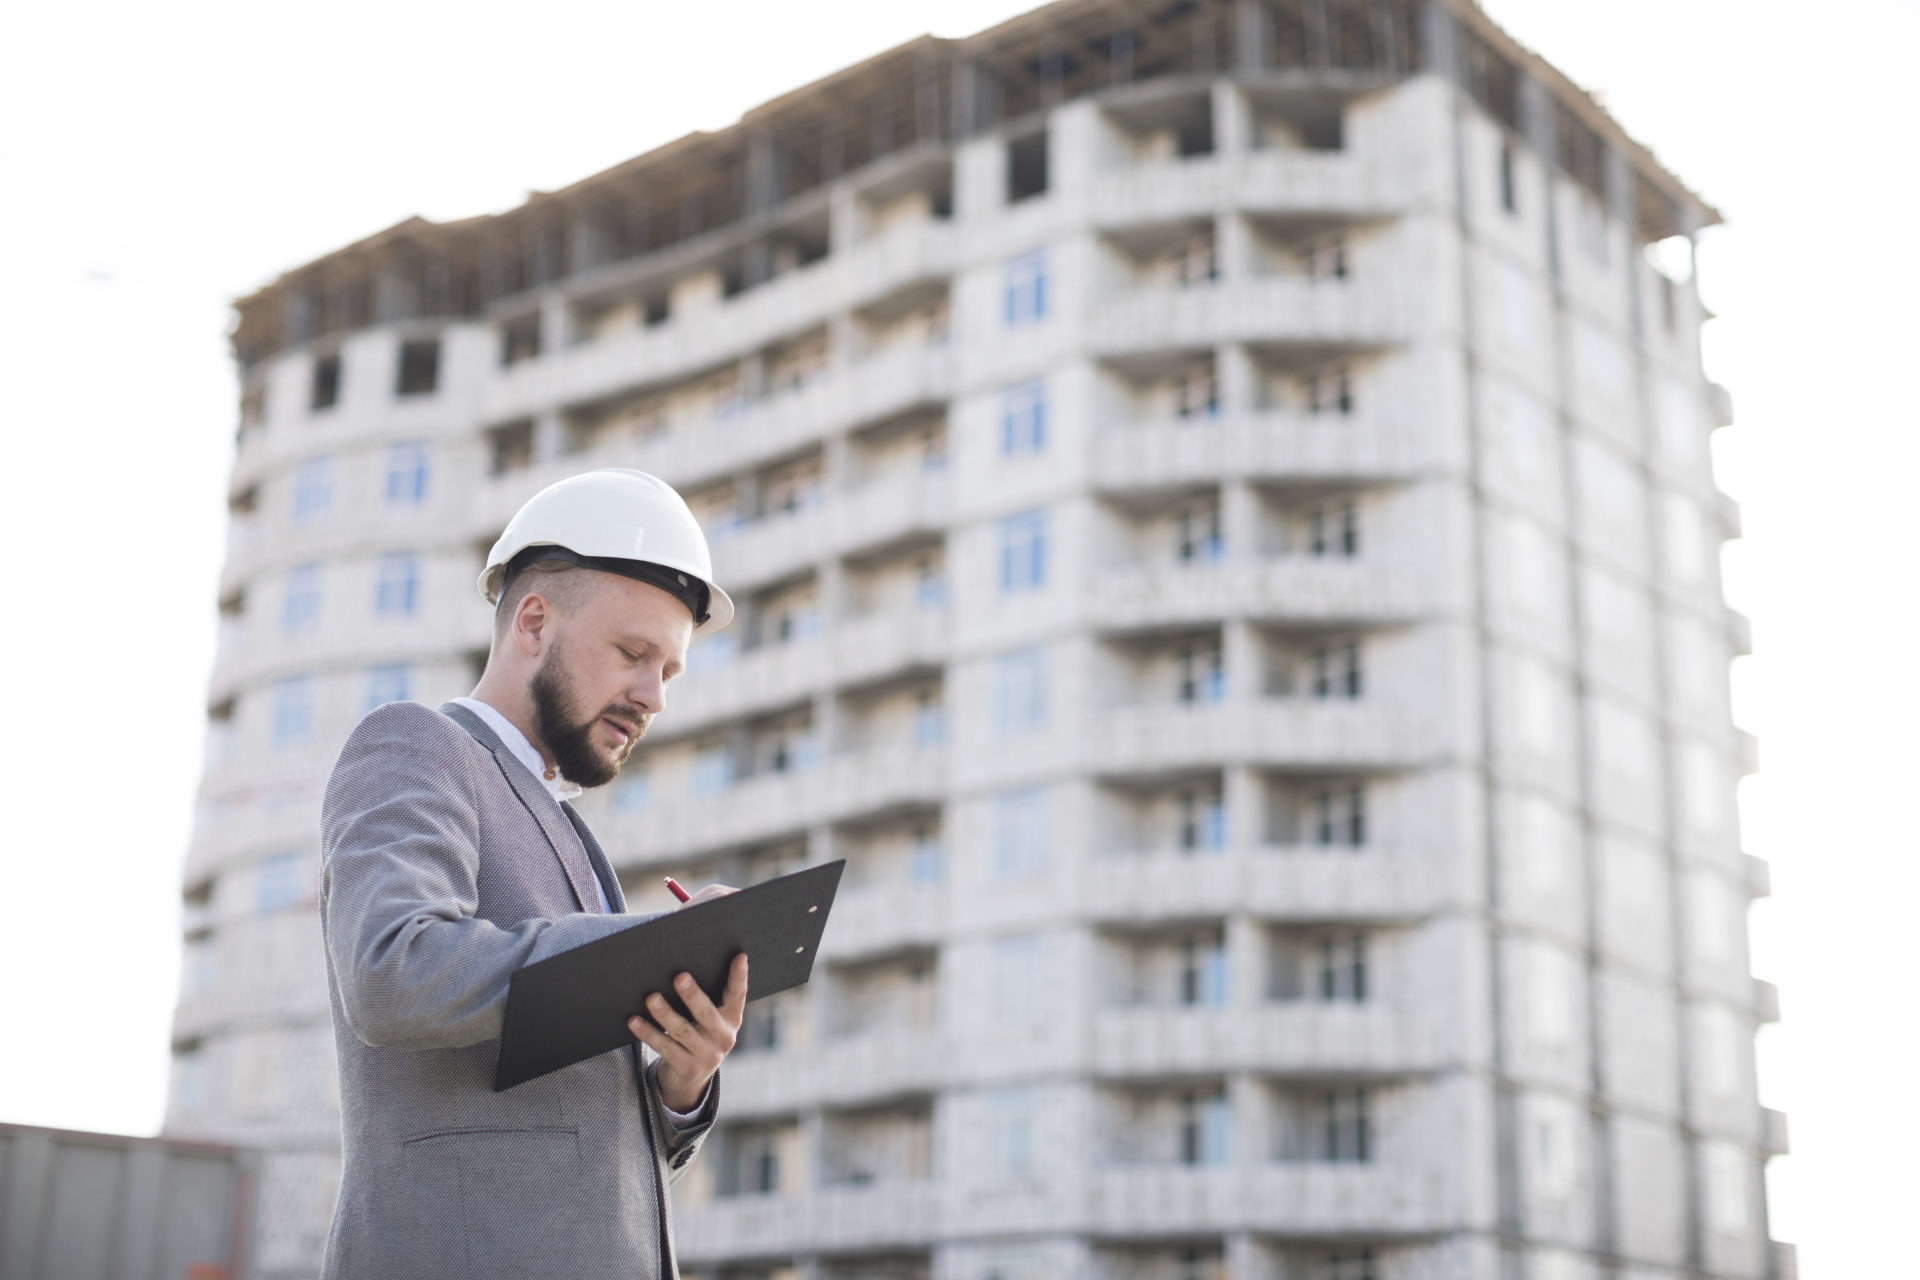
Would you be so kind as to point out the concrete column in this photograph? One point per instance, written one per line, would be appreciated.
(1234, 251)
(846, 219)
(1241, 792)
(1240, 658)
(1240, 521)
(587, 243)
(1239, 381)
(1249, 1105)
(979, 178)
(1249, 49)
(826, 729)
(1075, 138)
(1245, 1259)
(813, 1142)
(833, 594)
(845, 343)
(549, 436)
(1245, 952)
(1232, 120)
(556, 323)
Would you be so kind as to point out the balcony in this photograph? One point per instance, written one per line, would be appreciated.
(1308, 1199)
(771, 548)
(892, 508)
(878, 919)
(1261, 446)
(834, 1219)
(1773, 1132)
(1303, 1037)
(1272, 731)
(1272, 311)
(224, 834)
(265, 651)
(1278, 589)
(880, 779)
(692, 454)
(784, 306)
(858, 783)
(771, 676)
(1318, 182)
(1271, 882)
(884, 645)
(857, 1069)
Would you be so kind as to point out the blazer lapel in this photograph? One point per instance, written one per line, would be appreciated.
(616, 898)
(543, 807)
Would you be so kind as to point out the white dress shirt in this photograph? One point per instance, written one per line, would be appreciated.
(560, 789)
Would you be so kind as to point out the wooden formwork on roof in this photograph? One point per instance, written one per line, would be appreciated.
(934, 91)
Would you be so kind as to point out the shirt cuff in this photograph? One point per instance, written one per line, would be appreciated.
(685, 1119)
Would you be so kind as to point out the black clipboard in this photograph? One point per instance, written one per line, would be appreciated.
(570, 1007)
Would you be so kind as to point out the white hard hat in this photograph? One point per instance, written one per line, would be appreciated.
(617, 521)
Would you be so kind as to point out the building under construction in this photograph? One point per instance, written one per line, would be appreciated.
(1219, 498)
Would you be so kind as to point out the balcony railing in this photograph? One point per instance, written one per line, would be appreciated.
(1280, 311)
(1270, 731)
(847, 1218)
(1296, 1200)
(1257, 446)
(775, 804)
(786, 306)
(875, 919)
(1285, 588)
(1272, 882)
(879, 1064)
(1305, 1037)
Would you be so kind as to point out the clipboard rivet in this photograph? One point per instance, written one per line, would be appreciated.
(798, 950)
(811, 910)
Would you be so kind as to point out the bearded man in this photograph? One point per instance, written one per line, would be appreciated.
(450, 857)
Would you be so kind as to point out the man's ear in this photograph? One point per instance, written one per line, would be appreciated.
(532, 618)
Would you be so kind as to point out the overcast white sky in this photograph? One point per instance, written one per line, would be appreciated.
(158, 160)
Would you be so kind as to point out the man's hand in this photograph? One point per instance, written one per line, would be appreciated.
(691, 1051)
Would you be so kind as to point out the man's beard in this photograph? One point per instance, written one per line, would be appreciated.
(569, 739)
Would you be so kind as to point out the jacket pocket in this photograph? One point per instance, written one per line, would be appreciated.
(520, 1202)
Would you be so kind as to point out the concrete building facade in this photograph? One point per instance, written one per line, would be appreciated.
(1219, 498)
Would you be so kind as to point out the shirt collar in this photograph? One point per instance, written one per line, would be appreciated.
(557, 786)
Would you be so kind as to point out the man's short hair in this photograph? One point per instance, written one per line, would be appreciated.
(562, 584)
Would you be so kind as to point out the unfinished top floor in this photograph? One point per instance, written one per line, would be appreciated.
(759, 197)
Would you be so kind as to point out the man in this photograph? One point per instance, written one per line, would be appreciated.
(450, 858)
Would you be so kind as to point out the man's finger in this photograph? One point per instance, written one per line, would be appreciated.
(668, 1018)
(695, 999)
(733, 1002)
(652, 1037)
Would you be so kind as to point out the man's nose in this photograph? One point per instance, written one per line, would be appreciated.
(648, 693)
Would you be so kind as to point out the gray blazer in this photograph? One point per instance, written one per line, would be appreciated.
(444, 867)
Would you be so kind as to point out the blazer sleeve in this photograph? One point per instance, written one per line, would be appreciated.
(677, 1144)
(399, 888)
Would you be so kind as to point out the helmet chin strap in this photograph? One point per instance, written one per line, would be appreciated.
(685, 588)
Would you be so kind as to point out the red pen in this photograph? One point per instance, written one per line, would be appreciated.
(674, 885)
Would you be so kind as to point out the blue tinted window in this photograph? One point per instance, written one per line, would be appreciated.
(303, 598)
(1020, 834)
(279, 883)
(407, 475)
(1023, 419)
(396, 591)
(1020, 693)
(312, 489)
(1026, 289)
(293, 711)
(1023, 552)
(391, 682)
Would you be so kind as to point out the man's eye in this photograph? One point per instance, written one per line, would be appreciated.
(630, 657)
